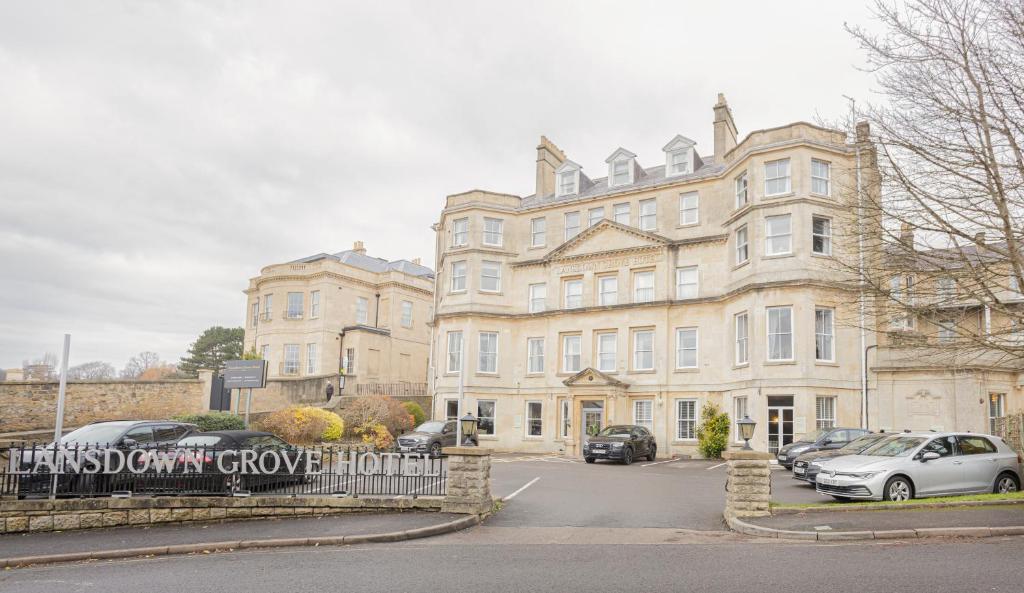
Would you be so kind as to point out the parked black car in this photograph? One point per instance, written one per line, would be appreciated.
(804, 469)
(828, 438)
(430, 437)
(222, 449)
(99, 436)
(624, 442)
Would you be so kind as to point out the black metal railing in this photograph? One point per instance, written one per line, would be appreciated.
(29, 470)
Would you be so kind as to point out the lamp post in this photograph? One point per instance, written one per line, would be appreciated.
(468, 423)
(746, 431)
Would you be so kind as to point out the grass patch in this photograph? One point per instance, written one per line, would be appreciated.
(1014, 496)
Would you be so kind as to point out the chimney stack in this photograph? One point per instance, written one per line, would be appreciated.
(358, 248)
(549, 158)
(725, 129)
(416, 261)
(907, 235)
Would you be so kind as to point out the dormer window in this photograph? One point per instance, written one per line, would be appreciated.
(567, 183)
(621, 167)
(567, 179)
(620, 172)
(680, 157)
(677, 162)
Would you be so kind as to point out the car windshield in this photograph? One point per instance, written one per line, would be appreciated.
(615, 431)
(94, 434)
(858, 445)
(432, 426)
(812, 436)
(895, 447)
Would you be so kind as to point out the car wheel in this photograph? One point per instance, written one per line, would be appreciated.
(653, 454)
(589, 459)
(1006, 483)
(435, 450)
(898, 489)
(627, 456)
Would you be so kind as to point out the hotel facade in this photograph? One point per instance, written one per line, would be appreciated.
(640, 296)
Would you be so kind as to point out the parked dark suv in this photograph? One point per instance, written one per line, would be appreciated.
(429, 437)
(827, 438)
(624, 442)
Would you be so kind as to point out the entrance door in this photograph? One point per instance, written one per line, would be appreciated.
(780, 427)
(593, 420)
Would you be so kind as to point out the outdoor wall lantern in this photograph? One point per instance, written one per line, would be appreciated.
(746, 431)
(469, 423)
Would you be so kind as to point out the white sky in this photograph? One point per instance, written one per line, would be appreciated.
(155, 155)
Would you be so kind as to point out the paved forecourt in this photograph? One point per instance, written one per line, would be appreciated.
(560, 492)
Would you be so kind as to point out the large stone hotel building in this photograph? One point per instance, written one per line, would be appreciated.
(639, 295)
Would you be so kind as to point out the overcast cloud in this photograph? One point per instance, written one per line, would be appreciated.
(155, 155)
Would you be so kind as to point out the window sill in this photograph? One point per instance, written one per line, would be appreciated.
(779, 362)
(534, 374)
(686, 225)
(486, 437)
(538, 246)
(642, 371)
(745, 365)
(817, 195)
(684, 441)
(492, 245)
(533, 438)
(687, 370)
(821, 255)
(566, 373)
(826, 363)
(778, 256)
(492, 292)
(745, 262)
(457, 291)
(484, 374)
(788, 194)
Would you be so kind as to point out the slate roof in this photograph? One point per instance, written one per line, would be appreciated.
(370, 264)
(599, 187)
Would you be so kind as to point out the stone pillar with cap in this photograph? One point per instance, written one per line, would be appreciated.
(469, 481)
(748, 486)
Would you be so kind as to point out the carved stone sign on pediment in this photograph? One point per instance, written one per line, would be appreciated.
(614, 263)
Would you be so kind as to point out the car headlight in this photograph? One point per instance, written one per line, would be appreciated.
(816, 464)
(859, 475)
(616, 445)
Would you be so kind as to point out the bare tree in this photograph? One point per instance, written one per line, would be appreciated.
(945, 231)
(92, 371)
(139, 364)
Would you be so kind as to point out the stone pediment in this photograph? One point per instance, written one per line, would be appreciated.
(606, 236)
(591, 377)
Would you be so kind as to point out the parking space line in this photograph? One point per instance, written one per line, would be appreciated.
(659, 462)
(524, 487)
(714, 466)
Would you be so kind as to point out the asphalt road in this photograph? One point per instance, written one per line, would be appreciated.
(683, 494)
(438, 566)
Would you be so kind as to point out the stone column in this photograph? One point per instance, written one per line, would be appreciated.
(748, 487)
(469, 481)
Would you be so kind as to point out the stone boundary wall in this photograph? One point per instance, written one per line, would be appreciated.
(1011, 430)
(748, 485)
(19, 516)
(30, 405)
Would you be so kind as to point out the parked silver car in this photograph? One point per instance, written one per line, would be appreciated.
(915, 465)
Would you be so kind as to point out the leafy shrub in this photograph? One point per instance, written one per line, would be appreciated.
(377, 409)
(376, 434)
(417, 413)
(304, 425)
(713, 433)
(213, 421)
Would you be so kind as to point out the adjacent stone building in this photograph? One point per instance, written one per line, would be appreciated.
(344, 312)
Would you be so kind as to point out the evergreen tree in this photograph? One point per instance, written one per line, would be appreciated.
(214, 346)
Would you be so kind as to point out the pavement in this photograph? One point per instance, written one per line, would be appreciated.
(122, 538)
(882, 520)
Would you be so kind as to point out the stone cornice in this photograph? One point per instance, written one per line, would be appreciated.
(335, 276)
(764, 204)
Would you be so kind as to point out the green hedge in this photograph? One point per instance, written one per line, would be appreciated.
(213, 421)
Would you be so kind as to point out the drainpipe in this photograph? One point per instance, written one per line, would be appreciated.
(376, 312)
(864, 385)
